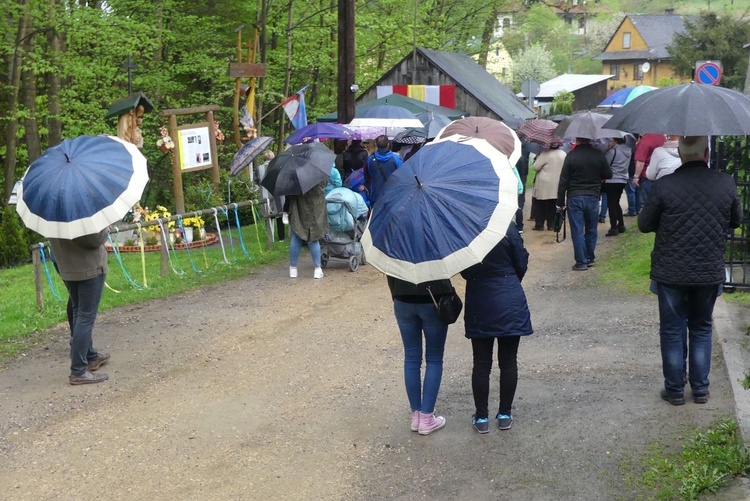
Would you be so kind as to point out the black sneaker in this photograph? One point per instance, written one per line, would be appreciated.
(701, 399)
(580, 267)
(672, 398)
(504, 421)
(591, 263)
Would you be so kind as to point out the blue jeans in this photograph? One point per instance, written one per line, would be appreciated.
(603, 210)
(583, 211)
(644, 186)
(296, 245)
(413, 320)
(632, 195)
(685, 326)
(84, 297)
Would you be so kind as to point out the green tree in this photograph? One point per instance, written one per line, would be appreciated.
(534, 62)
(715, 38)
(14, 248)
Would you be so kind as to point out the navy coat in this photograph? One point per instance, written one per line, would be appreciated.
(495, 303)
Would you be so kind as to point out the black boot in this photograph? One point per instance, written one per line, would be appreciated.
(613, 232)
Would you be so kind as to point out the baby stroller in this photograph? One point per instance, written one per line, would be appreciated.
(346, 222)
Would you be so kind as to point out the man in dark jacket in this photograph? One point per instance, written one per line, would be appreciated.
(582, 173)
(82, 263)
(380, 166)
(691, 211)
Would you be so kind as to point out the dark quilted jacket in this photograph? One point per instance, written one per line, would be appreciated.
(691, 211)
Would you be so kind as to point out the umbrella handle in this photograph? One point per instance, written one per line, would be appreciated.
(419, 183)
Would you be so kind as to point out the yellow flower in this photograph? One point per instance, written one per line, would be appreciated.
(160, 212)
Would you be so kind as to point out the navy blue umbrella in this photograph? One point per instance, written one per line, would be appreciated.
(249, 152)
(320, 130)
(81, 186)
(442, 211)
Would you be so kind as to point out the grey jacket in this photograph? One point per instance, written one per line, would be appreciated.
(81, 258)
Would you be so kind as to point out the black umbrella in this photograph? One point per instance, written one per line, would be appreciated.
(298, 169)
(413, 135)
(686, 110)
(249, 152)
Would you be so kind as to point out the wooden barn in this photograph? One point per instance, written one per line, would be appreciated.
(451, 80)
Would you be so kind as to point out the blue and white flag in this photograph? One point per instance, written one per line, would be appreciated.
(294, 106)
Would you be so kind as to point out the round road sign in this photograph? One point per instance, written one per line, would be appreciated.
(708, 73)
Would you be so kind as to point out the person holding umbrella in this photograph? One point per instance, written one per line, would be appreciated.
(301, 173)
(580, 180)
(82, 263)
(70, 195)
(308, 221)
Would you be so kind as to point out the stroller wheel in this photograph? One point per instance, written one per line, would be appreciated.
(323, 260)
(354, 263)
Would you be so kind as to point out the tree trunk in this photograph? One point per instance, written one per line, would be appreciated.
(54, 85)
(287, 73)
(31, 126)
(262, 48)
(14, 81)
(489, 28)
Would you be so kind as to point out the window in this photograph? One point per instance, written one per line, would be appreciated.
(614, 69)
(626, 40)
(637, 72)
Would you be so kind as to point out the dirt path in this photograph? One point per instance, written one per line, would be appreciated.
(272, 388)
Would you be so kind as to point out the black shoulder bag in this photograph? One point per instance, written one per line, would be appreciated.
(448, 307)
(560, 224)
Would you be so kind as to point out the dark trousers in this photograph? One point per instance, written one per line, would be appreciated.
(280, 234)
(545, 212)
(507, 351)
(85, 296)
(614, 192)
(519, 212)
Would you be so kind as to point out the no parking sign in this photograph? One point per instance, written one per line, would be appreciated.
(708, 72)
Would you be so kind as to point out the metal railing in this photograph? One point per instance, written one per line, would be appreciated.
(732, 155)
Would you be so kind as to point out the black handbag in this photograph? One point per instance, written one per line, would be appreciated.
(560, 224)
(448, 307)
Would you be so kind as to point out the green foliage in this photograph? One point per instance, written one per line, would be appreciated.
(715, 38)
(745, 381)
(707, 460)
(533, 62)
(562, 103)
(665, 82)
(14, 247)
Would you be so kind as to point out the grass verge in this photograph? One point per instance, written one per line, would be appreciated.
(23, 322)
(708, 460)
(628, 267)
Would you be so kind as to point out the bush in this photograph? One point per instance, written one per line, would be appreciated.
(14, 247)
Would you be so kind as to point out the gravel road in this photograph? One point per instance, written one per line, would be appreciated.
(271, 388)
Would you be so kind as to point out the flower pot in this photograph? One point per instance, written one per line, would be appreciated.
(188, 234)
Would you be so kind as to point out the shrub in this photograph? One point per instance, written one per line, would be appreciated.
(14, 247)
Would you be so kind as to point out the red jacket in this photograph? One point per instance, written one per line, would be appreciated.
(645, 147)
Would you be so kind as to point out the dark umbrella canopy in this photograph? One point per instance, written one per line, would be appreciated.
(493, 131)
(386, 111)
(686, 110)
(249, 152)
(433, 122)
(414, 135)
(587, 125)
(321, 131)
(298, 169)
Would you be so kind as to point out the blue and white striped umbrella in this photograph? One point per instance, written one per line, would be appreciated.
(442, 211)
(81, 186)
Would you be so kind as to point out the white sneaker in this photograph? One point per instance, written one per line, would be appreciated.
(318, 273)
(292, 272)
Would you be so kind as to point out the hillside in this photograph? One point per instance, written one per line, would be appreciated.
(734, 7)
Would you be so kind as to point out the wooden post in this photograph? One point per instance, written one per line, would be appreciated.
(37, 260)
(216, 173)
(164, 253)
(346, 58)
(179, 196)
